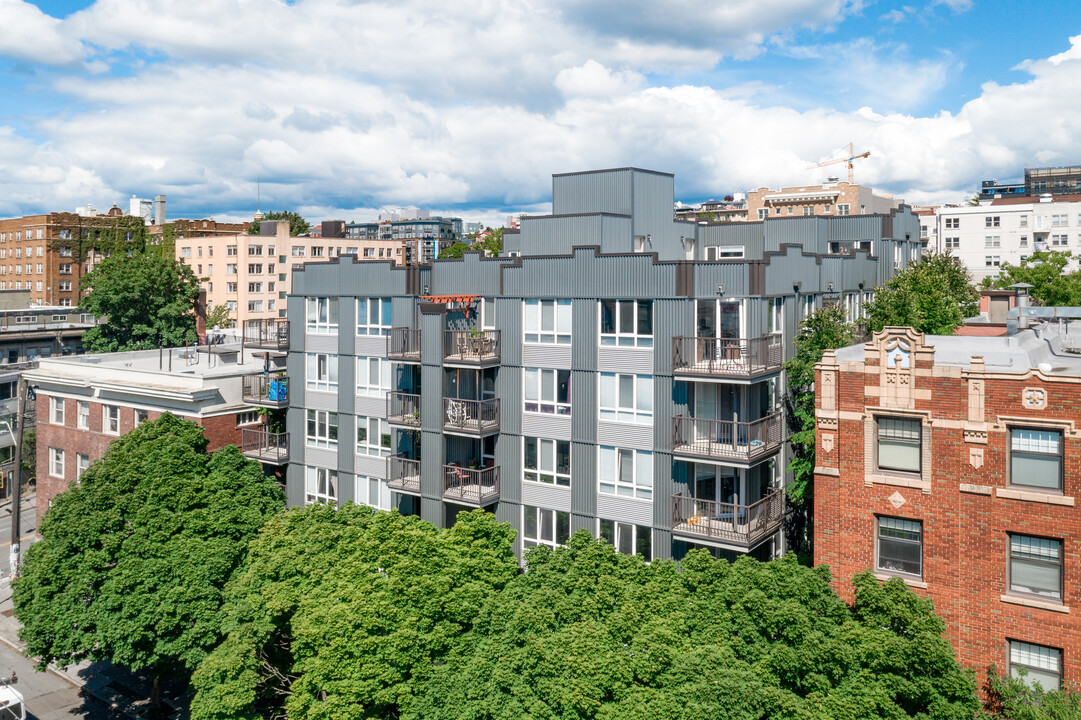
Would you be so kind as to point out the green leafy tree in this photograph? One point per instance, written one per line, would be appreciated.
(134, 557)
(148, 299)
(219, 316)
(346, 613)
(1010, 698)
(1045, 270)
(933, 296)
(454, 251)
(493, 244)
(297, 224)
(824, 329)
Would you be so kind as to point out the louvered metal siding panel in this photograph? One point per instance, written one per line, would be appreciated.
(370, 345)
(321, 343)
(508, 388)
(621, 359)
(556, 427)
(319, 457)
(508, 456)
(508, 320)
(547, 356)
(622, 509)
(370, 406)
(370, 466)
(584, 406)
(671, 318)
(593, 192)
(584, 478)
(546, 496)
(469, 275)
(639, 437)
(584, 336)
(319, 400)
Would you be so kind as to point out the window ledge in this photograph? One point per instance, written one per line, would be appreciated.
(907, 581)
(1030, 496)
(899, 481)
(1030, 602)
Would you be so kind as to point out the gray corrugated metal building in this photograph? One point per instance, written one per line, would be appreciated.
(614, 370)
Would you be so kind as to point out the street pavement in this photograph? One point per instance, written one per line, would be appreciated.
(48, 696)
(27, 527)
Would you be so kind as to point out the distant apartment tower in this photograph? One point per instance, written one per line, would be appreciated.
(836, 198)
(420, 236)
(1065, 180)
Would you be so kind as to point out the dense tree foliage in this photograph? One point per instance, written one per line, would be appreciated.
(824, 329)
(219, 317)
(1010, 698)
(135, 556)
(456, 250)
(147, 298)
(297, 224)
(933, 296)
(493, 244)
(1045, 270)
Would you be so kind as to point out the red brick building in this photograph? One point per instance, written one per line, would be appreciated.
(954, 464)
(85, 402)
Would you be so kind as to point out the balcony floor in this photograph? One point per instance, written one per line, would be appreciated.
(471, 494)
(730, 533)
(269, 456)
(749, 452)
(408, 484)
(727, 370)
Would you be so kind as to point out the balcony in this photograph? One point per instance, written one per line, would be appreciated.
(727, 524)
(476, 348)
(470, 487)
(473, 417)
(267, 447)
(403, 344)
(263, 390)
(403, 474)
(727, 440)
(267, 334)
(727, 358)
(403, 409)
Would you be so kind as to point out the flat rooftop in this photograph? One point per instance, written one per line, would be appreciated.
(203, 362)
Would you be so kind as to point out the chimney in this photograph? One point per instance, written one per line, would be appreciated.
(159, 209)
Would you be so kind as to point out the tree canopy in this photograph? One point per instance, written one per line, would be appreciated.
(456, 250)
(147, 298)
(297, 224)
(1045, 270)
(134, 557)
(933, 296)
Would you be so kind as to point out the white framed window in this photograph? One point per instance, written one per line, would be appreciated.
(547, 391)
(807, 306)
(248, 417)
(1059, 221)
(991, 221)
(110, 419)
(548, 321)
(992, 261)
(627, 538)
(776, 316)
(56, 410)
(546, 461)
(82, 414)
(487, 314)
(1060, 240)
(373, 376)
(625, 472)
(953, 223)
(255, 287)
(899, 444)
(255, 268)
(82, 463)
(992, 241)
(1041, 666)
(899, 546)
(763, 213)
(141, 416)
(842, 208)
(322, 372)
(322, 315)
(320, 486)
(373, 436)
(372, 491)
(298, 251)
(952, 243)
(255, 250)
(230, 268)
(627, 323)
(373, 316)
(544, 527)
(56, 462)
(255, 306)
(322, 429)
(1036, 458)
(626, 398)
(1024, 241)
(1024, 221)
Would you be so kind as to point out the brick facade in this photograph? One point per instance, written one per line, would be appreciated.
(963, 493)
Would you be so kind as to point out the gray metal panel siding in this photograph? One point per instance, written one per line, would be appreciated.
(558, 235)
(370, 466)
(556, 427)
(669, 400)
(403, 312)
(294, 485)
(378, 278)
(347, 488)
(508, 456)
(511, 513)
(784, 272)
(347, 435)
(320, 457)
(639, 437)
(584, 406)
(469, 275)
(546, 496)
(370, 406)
(347, 325)
(431, 464)
(294, 368)
(749, 236)
(369, 345)
(662, 490)
(592, 276)
(297, 314)
(593, 192)
(431, 341)
(508, 320)
(584, 478)
(583, 522)
(321, 343)
(547, 356)
(620, 359)
(318, 400)
(508, 388)
(671, 318)
(734, 276)
(611, 507)
(653, 197)
(584, 336)
(431, 509)
(295, 421)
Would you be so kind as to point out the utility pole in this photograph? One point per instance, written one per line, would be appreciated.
(17, 485)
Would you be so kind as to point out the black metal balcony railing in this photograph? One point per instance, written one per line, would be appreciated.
(469, 486)
(727, 357)
(727, 439)
(742, 525)
(473, 347)
(265, 446)
(403, 408)
(403, 344)
(266, 390)
(268, 334)
(472, 416)
(403, 474)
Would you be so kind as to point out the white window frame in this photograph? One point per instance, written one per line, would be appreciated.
(248, 418)
(375, 431)
(610, 396)
(326, 428)
(365, 487)
(640, 484)
(56, 410)
(56, 462)
(364, 384)
(82, 414)
(139, 417)
(547, 471)
(320, 486)
(322, 315)
(82, 464)
(892, 436)
(321, 371)
(992, 241)
(619, 532)
(536, 382)
(110, 426)
(624, 338)
(544, 520)
(381, 306)
(1036, 444)
(535, 332)
(843, 209)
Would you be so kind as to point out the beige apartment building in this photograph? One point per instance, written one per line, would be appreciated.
(831, 198)
(252, 274)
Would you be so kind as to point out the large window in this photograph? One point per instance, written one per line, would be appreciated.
(372, 491)
(900, 546)
(323, 315)
(1041, 665)
(548, 391)
(110, 419)
(547, 461)
(544, 527)
(1036, 458)
(899, 444)
(1036, 566)
(322, 429)
(373, 436)
(56, 410)
(627, 398)
(548, 321)
(82, 414)
(373, 376)
(321, 486)
(627, 538)
(628, 323)
(626, 472)
(322, 372)
(373, 316)
(56, 462)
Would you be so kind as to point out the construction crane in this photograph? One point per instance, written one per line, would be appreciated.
(847, 160)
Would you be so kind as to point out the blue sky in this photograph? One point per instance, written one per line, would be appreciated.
(342, 107)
